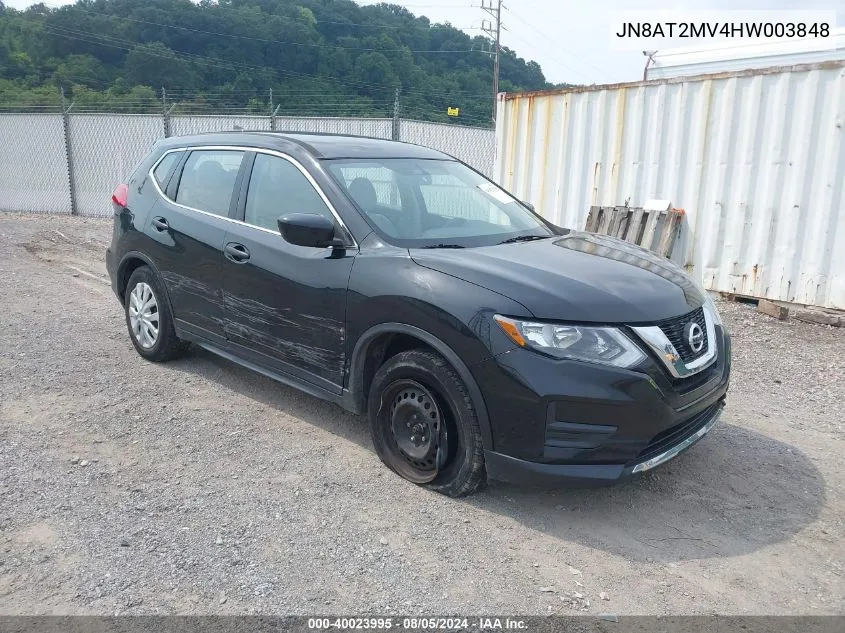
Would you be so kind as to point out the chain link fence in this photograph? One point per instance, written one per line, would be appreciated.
(473, 145)
(104, 149)
(377, 128)
(197, 124)
(33, 164)
(70, 163)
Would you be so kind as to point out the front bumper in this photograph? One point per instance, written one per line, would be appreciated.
(518, 471)
(563, 422)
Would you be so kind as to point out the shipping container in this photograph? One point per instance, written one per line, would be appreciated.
(756, 158)
(725, 56)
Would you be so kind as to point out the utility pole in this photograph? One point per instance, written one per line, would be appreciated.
(494, 8)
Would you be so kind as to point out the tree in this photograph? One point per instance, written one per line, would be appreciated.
(18, 64)
(82, 69)
(319, 56)
(156, 65)
(375, 75)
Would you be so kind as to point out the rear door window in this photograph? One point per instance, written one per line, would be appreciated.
(208, 180)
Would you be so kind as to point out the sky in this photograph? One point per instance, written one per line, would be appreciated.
(571, 40)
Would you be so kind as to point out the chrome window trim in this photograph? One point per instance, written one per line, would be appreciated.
(257, 150)
(660, 344)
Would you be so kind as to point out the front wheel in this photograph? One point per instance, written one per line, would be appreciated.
(424, 424)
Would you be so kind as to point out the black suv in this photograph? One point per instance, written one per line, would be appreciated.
(480, 340)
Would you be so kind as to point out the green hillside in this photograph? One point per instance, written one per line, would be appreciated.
(319, 57)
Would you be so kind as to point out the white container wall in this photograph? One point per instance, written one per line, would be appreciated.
(725, 55)
(756, 158)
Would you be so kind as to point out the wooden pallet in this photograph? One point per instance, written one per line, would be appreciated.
(656, 230)
(783, 310)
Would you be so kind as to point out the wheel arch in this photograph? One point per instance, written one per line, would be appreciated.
(381, 336)
(128, 263)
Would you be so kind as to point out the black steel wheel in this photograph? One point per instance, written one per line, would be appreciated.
(418, 432)
(424, 425)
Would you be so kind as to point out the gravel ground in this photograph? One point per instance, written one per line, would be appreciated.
(200, 487)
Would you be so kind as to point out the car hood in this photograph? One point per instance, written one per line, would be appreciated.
(577, 277)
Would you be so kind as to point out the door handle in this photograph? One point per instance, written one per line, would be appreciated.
(235, 252)
(160, 224)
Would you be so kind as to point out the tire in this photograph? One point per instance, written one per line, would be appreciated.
(421, 384)
(164, 345)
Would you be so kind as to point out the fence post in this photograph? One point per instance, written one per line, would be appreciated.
(165, 113)
(396, 132)
(273, 112)
(74, 210)
(273, 118)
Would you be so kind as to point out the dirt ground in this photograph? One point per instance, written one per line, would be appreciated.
(201, 487)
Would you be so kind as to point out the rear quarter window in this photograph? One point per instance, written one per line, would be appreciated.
(163, 170)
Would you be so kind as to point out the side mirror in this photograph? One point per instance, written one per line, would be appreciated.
(530, 206)
(309, 229)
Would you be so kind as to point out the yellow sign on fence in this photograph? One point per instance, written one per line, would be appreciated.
(453, 111)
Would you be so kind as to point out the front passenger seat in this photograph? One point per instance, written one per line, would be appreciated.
(364, 194)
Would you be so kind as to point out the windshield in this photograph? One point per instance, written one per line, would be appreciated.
(426, 203)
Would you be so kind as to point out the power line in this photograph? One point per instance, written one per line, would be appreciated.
(317, 22)
(494, 11)
(416, 6)
(554, 57)
(285, 42)
(555, 40)
(104, 40)
(497, 11)
(120, 43)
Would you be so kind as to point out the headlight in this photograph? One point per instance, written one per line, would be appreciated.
(602, 345)
(709, 305)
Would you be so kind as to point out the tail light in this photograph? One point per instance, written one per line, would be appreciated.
(121, 195)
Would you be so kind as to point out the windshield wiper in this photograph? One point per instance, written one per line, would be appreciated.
(524, 238)
(443, 246)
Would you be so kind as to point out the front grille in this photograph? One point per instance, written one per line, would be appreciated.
(665, 440)
(674, 330)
